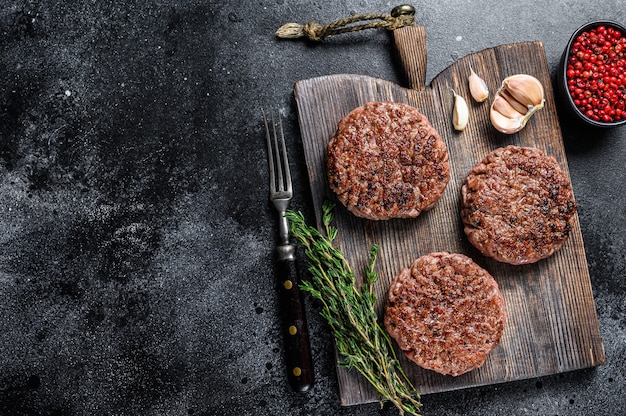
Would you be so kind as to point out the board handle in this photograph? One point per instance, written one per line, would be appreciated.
(410, 43)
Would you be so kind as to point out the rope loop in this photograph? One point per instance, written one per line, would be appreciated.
(400, 16)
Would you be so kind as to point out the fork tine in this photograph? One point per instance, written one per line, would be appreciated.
(270, 155)
(287, 182)
(279, 156)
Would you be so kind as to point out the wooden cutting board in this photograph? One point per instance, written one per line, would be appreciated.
(552, 323)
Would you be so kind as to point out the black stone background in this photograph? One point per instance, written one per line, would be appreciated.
(136, 237)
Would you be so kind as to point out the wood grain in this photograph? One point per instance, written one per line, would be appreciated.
(552, 322)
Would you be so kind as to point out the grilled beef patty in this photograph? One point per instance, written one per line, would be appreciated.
(386, 161)
(518, 206)
(446, 313)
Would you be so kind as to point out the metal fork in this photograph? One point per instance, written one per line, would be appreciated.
(297, 346)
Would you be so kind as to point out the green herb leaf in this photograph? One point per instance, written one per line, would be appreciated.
(351, 312)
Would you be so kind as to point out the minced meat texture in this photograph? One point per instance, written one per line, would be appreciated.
(446, 313)
(386, 161)
(517, 205)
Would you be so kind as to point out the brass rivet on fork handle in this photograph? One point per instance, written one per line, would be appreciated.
(298, 356)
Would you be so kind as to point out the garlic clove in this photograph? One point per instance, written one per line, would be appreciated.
(478, 87)
(460, 114)
(519, 107)
(526, 89)
(502, 106)
(505, 124)
(519, 97)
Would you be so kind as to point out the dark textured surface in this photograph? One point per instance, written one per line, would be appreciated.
(136, 243)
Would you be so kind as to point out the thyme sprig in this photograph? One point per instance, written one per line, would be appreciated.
(351, 312)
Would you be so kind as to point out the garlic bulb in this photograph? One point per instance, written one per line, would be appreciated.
(478, 87)
(460, 114)
(519, 97)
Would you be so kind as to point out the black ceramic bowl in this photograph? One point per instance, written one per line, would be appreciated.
(566, 98)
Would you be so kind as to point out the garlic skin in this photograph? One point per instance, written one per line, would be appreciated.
(519, 97)
(478, 87)
(460, 114)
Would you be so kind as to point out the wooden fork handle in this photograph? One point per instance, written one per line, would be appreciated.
(296, 335)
